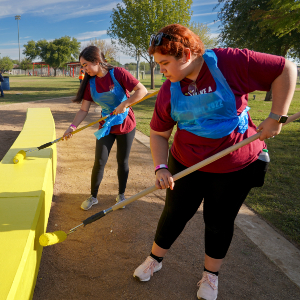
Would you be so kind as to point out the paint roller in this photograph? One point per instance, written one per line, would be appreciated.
(48, 239)
(21, 155)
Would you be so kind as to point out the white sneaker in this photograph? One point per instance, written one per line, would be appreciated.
(147, 268)
(88, 203)
(208, 287)
(120, 198)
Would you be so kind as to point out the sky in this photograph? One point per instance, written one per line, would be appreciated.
(52, 19)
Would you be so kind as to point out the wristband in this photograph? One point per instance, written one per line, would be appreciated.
(162, 166)
(73, 126)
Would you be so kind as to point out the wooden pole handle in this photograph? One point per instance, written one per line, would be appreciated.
(293, 118)
(201, 164)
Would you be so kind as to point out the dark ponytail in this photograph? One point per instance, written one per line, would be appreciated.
(92, 54)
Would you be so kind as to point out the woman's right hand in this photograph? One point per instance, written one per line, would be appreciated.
(68, 133)
(164, 179)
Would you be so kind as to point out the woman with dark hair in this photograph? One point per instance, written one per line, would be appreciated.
(206, 95)
(107, 86)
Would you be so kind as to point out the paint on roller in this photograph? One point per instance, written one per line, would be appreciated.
(19, 157)
(48, 239)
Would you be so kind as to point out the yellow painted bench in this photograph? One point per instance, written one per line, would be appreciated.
(26, 191)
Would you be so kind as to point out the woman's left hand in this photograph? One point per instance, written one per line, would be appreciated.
(120, 109)
(269, 128)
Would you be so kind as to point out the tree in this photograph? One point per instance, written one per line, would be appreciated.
(283, 16)
(26, 64)
(115, 63)
(130, 66)
(56, 53)
(239, 29)
(6, 64)
(108, 50)
(133, 22)
(31, 50)
(203, 31)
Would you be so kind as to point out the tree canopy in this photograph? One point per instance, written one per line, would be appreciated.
(133, 22)
(283, 16)
(26, 64)
(239, 29)
(55, 53)
(6, 64)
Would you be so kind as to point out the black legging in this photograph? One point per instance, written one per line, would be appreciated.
(223, 196)
(103, 147)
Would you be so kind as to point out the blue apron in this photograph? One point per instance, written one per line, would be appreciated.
(109, 101)
(211, 115)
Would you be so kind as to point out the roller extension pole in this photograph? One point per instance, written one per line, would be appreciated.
(57, 238)
(20, 156)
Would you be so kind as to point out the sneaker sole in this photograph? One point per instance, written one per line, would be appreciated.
(138, 278)
(147, 279)
(90, 206)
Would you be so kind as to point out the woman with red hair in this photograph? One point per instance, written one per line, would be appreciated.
(206, 95)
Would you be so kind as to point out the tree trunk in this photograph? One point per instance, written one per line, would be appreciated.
(152, 77)
(152, 66)
(269, 95)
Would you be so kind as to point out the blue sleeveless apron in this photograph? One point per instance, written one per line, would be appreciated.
(211, 115)
(109, 101)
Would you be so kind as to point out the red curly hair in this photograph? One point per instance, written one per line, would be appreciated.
(187, 38)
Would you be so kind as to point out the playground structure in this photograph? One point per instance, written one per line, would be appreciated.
(41, 70)
(25, 199)
(72, 69)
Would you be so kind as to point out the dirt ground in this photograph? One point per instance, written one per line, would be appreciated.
(97, 261)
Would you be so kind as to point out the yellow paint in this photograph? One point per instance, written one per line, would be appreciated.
(26, 191)
(52, 238)
(19, 157)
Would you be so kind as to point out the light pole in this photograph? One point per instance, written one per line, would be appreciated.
(18, 18)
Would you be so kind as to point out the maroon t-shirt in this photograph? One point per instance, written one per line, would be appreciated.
(245, 72)
(105, 84)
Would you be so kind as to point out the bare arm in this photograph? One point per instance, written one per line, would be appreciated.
(159, 150)
(139, 92)
(80, 116)
(283, 88)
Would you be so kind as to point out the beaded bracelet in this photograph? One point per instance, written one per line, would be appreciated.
(73, 126)
(162, 166)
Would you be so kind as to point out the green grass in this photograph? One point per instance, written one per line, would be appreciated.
(278, 201)
(34, 88)
(31, 88)
(144, 110)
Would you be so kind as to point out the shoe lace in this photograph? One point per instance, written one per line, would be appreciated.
(210, 279)
(90, 199)
(150, 265)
